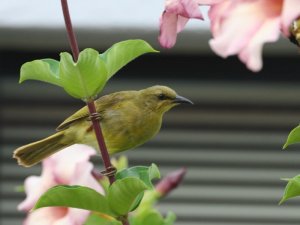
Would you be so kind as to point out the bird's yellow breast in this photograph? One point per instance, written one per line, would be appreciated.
(123, 127)
(128, 128)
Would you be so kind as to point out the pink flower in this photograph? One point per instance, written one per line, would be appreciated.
(239, 27)
(174, 18)
(176, 15)
(242, 27)
(70, 167)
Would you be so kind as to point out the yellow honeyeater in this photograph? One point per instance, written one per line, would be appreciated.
(128, 119)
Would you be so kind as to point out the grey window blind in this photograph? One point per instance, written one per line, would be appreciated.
(230, 141)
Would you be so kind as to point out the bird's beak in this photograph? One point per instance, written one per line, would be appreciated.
(180, 99)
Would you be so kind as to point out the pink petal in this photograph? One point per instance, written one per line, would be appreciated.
(73, 217)
(65, 161)
(209, 2)
(219, 13)
(174, 18)
(190, 9)
(185, 8)
(290, 12)
(36, 186)
(65, 221)
(168, 30)
(57, 216)
(231, 36)
(252, 54)
(242, 27)
(70, 166)
(28, 203)
(181, 22)
(46, 216)
(82, 175)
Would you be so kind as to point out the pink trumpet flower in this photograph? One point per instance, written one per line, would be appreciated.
(239, 27)
(242, 27)
(68, 167)
(174, 18)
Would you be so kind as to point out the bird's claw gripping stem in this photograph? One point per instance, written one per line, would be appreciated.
(109, 172)
(94, 116)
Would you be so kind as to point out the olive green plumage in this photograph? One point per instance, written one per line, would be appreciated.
(128, 119)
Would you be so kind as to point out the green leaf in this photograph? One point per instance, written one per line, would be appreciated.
(294, 137)
(144, 173)
(170, 218)
(292, 189)
(95, 219)
(84, 79)
(74, 197)
(149, 217)
(46, 70)
(123, 193)
(122, 53)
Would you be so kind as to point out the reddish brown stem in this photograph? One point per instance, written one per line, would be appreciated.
(125, 221)
(90, 104)
(70, 31)
(100, 139)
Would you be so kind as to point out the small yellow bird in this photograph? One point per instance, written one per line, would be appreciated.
(128, 119)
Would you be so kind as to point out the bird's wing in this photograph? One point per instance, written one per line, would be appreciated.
(81, 113)
(101, 104)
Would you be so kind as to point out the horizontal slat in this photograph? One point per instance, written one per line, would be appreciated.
(195, 176)
(215, 156)
(230, 142)
(173, 137)
(210, 157)
(276, 214)
(214, 212)
(229, 195)
(181, 117)
(11, 221)
(246, 93)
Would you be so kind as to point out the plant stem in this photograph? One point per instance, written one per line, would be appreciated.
(69, 28)
(90, 104)
(125, 221)
(100, 139)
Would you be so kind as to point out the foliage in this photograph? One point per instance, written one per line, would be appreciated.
(86, 198)
(292, 188)
(122, 197)
(293, 137)
(146, 174)
(123, 193)
(118, 201)
(85, 78)
(96, 218)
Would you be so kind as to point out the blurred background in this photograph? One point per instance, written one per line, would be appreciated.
(230, 140)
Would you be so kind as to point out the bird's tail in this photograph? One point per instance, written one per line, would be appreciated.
(33, 153)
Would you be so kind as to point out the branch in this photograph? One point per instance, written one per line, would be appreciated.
(69, 28)
(90, 104)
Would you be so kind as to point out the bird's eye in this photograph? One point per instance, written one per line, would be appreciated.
(161, 97)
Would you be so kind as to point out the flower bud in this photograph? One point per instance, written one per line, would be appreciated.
(170, 182)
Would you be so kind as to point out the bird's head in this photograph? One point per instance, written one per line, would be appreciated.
(161, 98)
